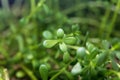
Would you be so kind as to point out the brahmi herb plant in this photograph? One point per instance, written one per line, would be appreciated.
(78, 58)
(37, 42)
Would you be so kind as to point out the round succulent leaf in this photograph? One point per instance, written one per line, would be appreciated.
(60, 33)
(81, 52)
(50, 43)
(70, 40)
(20, 74)
(47, 34)
(63, 47)
(76, 69)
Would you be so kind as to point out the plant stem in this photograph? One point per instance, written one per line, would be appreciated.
(32, 5)
(69, 75)
(39, 5)
(111, 26)
(62, 70)
(86, 38)
(103, 23)
(29, 72)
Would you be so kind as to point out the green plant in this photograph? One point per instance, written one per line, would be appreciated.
(71, 51)
(86, 61)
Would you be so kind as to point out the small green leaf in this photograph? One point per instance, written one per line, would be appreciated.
(66, 57)
(118, 55)
(46, 9)
(114, 65)
(20, 40)
(76, 69)
(47, 34)
(105, 44)
(94, 52)
(81, 52)
(49, 43)
(70, 40)
(20, 74)
(101, 58)
(60, 33)
(35, 63)
(63, 47)
(75, 27)
(24, 21)
(43, 72)
(90, 47)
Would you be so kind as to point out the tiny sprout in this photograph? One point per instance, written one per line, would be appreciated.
(43, 72)
(60, 33)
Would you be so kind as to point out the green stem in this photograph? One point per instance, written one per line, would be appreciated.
(29, 72)
(86, 38)
(61, 71)
(103, 23)
(82, 5)
(38, 8)
(111, 26)
(69, 75)
(32, 5)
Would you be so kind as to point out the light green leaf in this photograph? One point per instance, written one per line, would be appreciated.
(63, 47)
(70, 40)
(60, 33)
(81, 52)
(66, 57)
(43, 72)
(49, 43)
(76, 69)
(47, 34)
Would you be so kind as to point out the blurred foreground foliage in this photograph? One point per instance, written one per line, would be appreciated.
(24, 25)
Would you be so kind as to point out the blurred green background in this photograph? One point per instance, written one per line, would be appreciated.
(22, 23)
